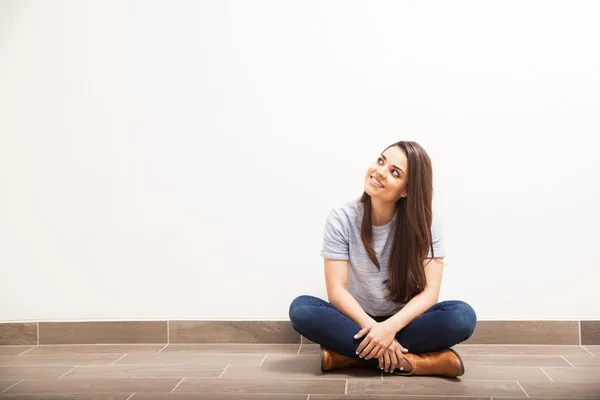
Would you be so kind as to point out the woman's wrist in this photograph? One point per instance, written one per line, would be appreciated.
(367, 322)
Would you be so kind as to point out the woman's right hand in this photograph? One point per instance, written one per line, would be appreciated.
(390, 360)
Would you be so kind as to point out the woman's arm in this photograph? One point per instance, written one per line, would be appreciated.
(336, 280)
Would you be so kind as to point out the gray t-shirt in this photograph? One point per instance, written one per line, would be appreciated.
(341, 241)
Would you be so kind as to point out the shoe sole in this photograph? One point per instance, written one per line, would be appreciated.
(462, 365)
(322, 357)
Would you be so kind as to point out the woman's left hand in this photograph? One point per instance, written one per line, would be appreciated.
(379, 337)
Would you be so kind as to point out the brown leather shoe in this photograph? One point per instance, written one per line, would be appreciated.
(441, 363)
(332, 360)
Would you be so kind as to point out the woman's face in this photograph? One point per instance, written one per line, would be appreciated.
(389, 169)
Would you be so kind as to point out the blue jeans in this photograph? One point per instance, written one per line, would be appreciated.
(442, 326)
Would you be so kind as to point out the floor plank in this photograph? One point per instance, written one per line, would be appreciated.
(578, 374)
(288, 386)
(186, 358)
(95, 385)
(472, 361)
(520, 350)
(434, 386)
(222, 396)
(13, 350)
(34, 372)
(587, 390)
(236, 348)
(97, 349)
(58, 359)
(148, 371)
(68, 396)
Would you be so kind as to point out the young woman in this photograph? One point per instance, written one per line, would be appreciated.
(383, 270)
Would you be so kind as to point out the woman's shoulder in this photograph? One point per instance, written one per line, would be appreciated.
(346, 217)
(349, 209)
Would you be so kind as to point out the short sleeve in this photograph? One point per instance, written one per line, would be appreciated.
(437, 238)
(335, 237)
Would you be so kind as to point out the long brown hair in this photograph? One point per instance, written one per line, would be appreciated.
(412, 232)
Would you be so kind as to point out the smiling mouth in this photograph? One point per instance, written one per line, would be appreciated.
(375, 182)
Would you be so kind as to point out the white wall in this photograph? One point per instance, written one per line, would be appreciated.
(178, 159)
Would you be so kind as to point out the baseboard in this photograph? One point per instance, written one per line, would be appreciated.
(131, 332)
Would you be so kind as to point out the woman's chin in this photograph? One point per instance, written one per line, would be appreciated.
(368, 190)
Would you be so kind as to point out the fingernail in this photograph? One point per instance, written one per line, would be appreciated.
(380, 367)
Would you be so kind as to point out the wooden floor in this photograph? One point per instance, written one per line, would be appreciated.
(285, 371)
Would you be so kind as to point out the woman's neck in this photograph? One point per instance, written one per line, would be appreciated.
(381, 213)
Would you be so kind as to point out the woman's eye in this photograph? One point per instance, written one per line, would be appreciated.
(397, 173)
